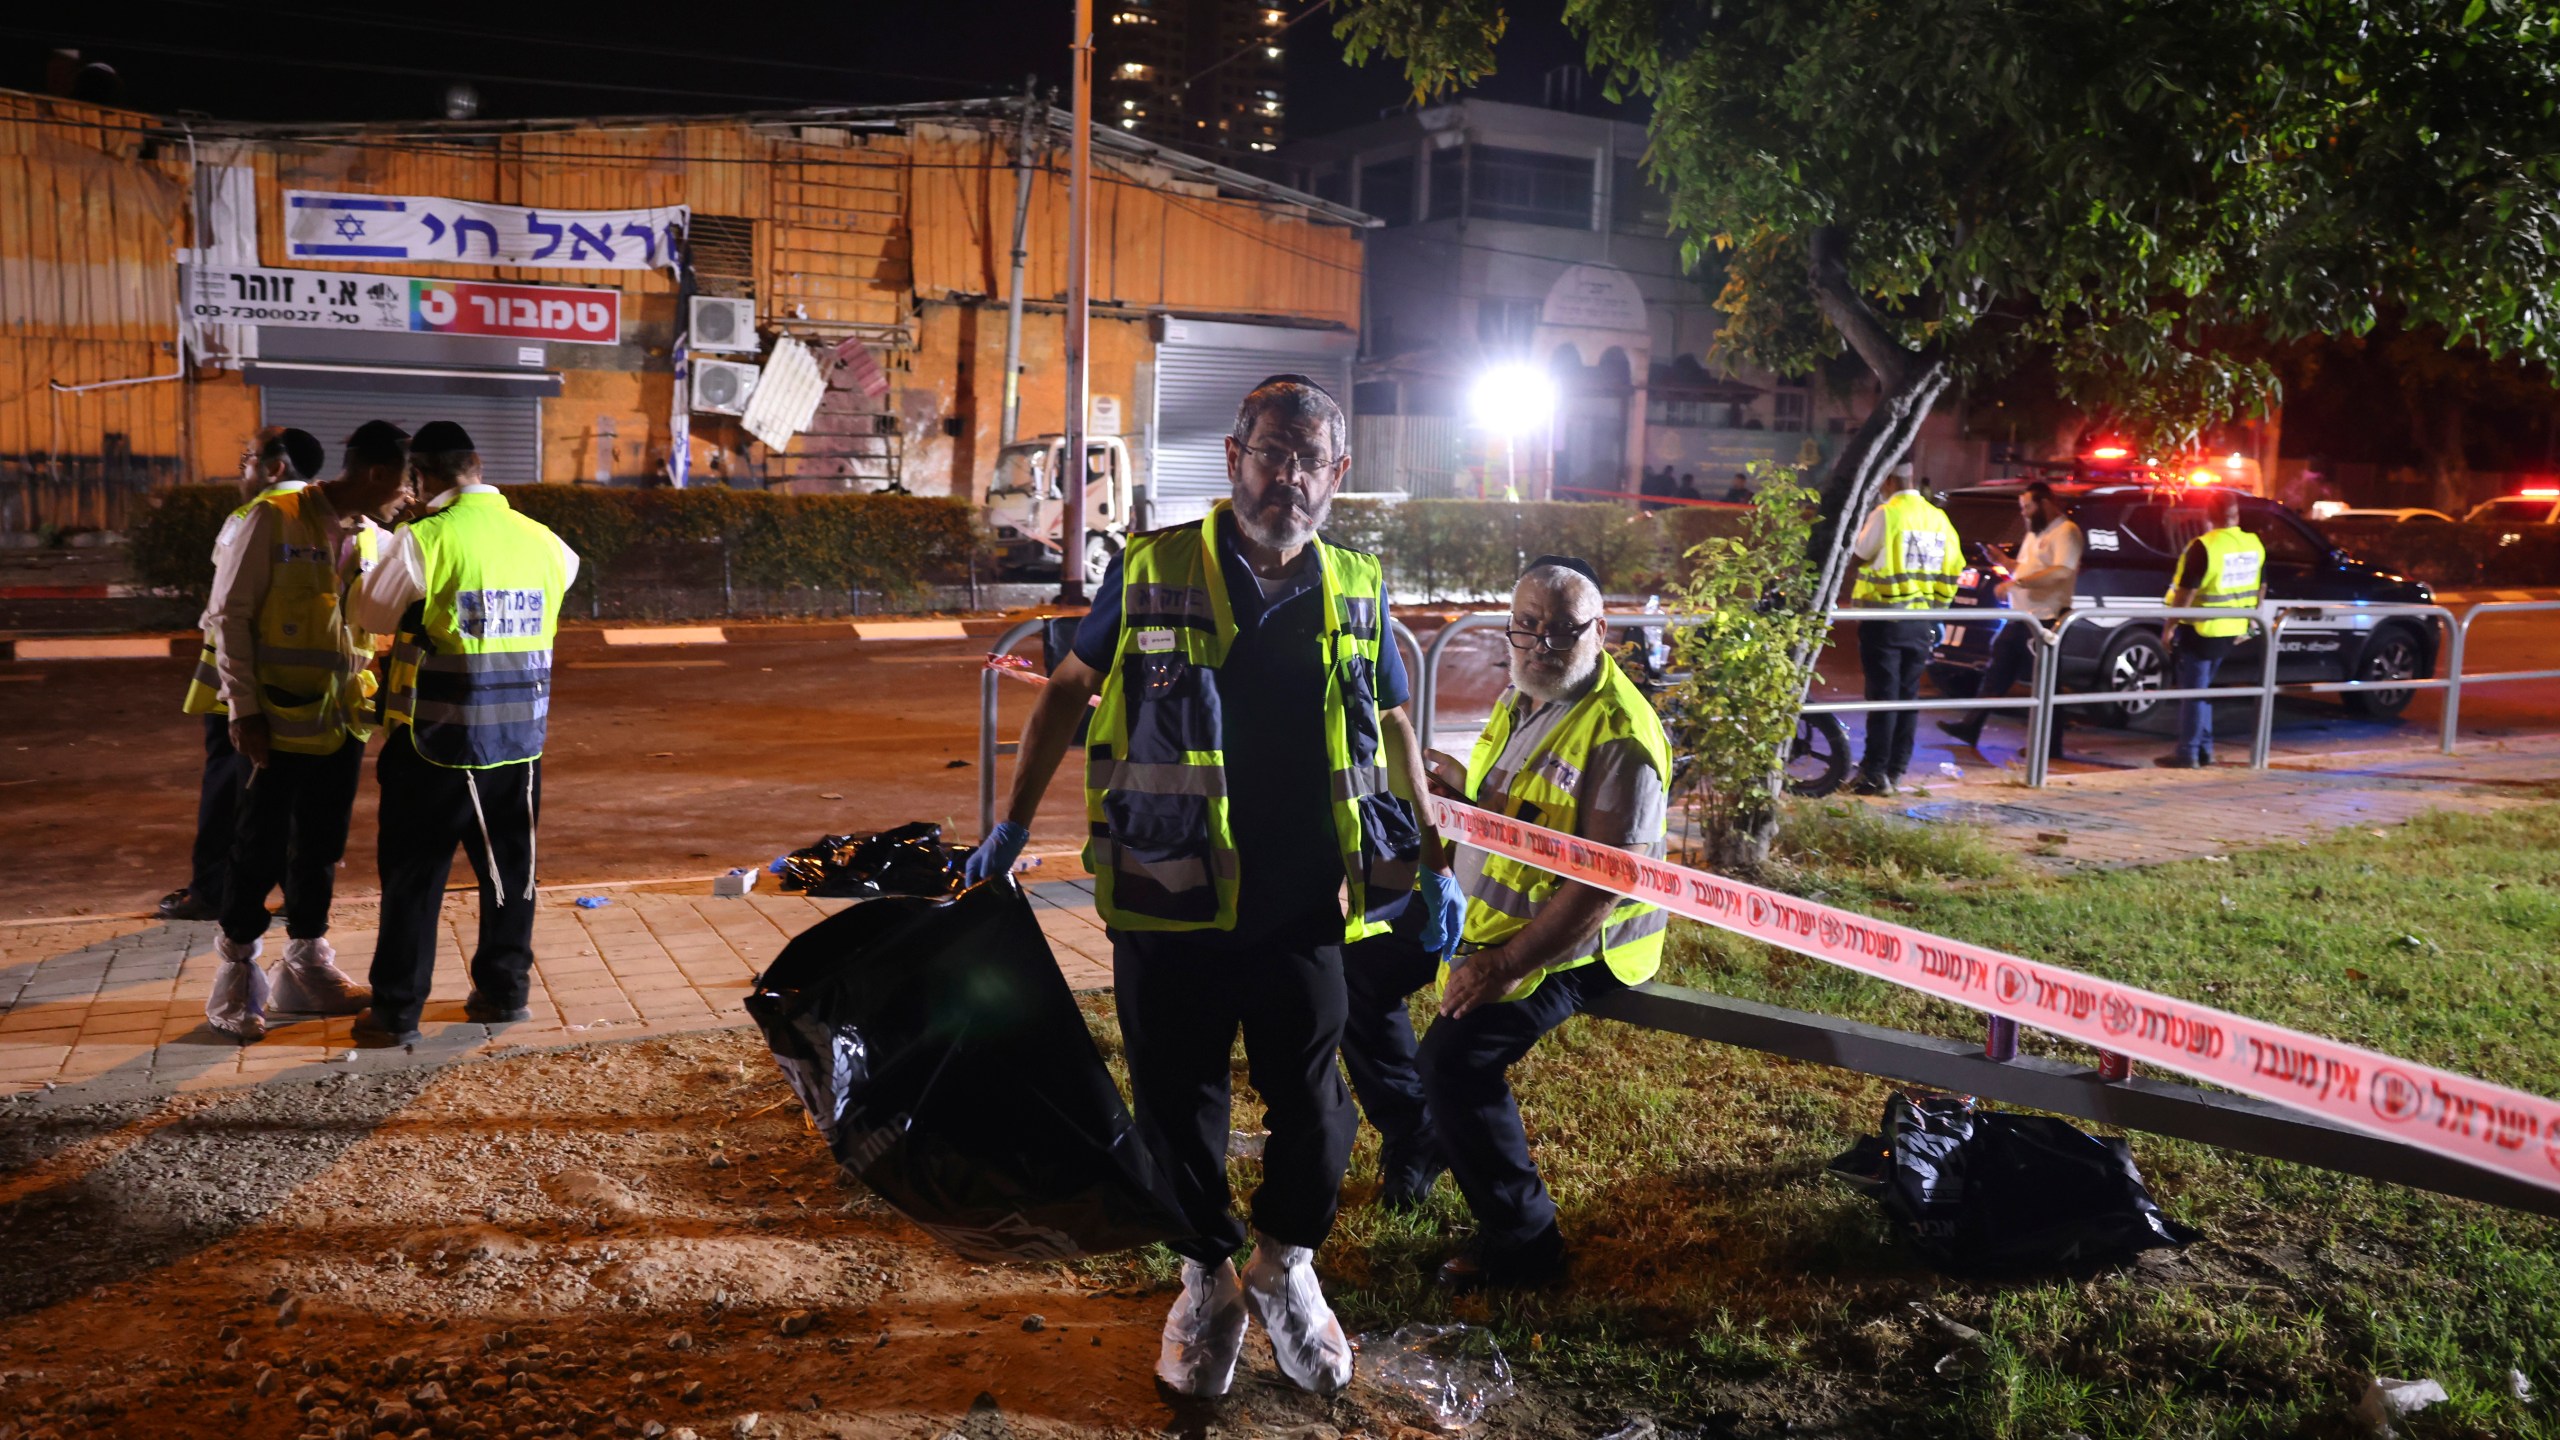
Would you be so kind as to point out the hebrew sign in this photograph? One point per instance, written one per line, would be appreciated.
(324, 300)
(319, 225)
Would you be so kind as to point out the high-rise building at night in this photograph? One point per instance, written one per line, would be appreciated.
(1202, 75)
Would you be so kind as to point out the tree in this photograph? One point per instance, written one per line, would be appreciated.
(2141, 194)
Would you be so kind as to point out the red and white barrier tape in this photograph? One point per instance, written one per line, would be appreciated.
(1018, 667)
(2487, 1125)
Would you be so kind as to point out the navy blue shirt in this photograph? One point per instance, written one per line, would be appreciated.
(1271, 706)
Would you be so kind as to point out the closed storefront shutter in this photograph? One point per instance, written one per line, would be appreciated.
(1203, 370)
(506, 428)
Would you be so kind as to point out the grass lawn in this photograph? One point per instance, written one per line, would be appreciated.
(1720, 1280)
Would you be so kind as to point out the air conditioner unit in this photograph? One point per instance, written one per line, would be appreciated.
(721, 387)
(720, 323)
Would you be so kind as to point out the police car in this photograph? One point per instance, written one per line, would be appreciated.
(2135, 532)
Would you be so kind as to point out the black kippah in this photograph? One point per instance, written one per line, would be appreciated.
(1567, 562)
(302, 449)
(439, 437)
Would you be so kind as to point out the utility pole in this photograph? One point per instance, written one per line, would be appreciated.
(1022, 153)
(1079, 286)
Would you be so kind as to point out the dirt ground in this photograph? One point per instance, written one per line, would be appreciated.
(634, 1239)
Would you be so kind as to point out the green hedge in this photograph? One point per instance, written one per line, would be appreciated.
(883, 543)
(1467, 549)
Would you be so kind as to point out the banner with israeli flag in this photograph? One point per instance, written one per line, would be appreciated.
(325, 225)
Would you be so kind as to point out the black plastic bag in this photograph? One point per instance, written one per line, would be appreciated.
(1989, 1191)
(910, 860)
(942, 1056)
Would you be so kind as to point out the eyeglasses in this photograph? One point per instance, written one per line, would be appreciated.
(1279, 461)
(1564, 639)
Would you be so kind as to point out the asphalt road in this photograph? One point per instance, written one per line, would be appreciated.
(684, 761)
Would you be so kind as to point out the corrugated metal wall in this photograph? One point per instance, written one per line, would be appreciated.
(851, 227)
(87, 295)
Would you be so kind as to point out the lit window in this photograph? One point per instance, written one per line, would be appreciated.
(1263, 145)
(1128, 124)
(1132, 67)
(1128, 104)
(1273, 17)
(1271, 50)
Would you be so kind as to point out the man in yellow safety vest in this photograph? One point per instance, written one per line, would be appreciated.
(1573, 746)
(1909, 558)
(1242, 778)
(292, 674)
(471, 591)
(279, 461)
(2222, 569)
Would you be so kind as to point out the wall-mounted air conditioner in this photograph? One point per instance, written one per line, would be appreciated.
(720, 323)
(721, 387)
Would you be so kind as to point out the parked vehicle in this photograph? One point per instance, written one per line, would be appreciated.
(2533, 505)
(1026, 506)
(2404, 515)
(2135, 533)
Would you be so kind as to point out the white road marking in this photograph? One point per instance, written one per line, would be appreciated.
(669, 635)
(910, 630)
(103, 647)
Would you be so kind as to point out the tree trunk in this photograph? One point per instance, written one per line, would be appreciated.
(2448, 466)
(1912, 383)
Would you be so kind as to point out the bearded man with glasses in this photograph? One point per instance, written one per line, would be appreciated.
(1574, 746)
(1247, 795)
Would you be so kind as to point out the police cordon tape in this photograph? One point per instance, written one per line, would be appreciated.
(2495, 1128)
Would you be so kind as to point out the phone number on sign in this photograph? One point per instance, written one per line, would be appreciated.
(270, 312)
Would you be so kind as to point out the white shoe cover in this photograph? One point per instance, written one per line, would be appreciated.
(1280, 1284)
(1205, 1333)
(309, 982)
(238, 1005)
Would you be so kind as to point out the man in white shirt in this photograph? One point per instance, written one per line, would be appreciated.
(2041, 578)
(471, 592)
(279, 461)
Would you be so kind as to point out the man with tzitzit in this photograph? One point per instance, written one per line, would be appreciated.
(1241, 781)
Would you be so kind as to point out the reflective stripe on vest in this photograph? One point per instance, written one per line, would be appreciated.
(1161, 845)
(470, 673)
(1916, 566)
(2235, 566)
(1505, 893)
(204, 687)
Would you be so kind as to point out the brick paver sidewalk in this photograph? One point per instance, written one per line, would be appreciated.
(112, 1006)
(115, 1005)
(2149, 816)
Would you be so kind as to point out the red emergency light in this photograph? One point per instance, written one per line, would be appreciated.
(2109, 452)
(2540, 492)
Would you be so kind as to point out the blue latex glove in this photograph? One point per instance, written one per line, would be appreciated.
(1444, 912)
(995, 854)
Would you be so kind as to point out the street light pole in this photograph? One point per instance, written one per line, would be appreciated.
(1021, 252)
(1079, 276)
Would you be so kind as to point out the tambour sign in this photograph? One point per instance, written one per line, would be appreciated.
(328, 300)
(525, 312)
(2487, 1125)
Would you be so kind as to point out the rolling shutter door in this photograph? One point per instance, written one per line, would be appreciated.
(507, 429)
(1203, 370)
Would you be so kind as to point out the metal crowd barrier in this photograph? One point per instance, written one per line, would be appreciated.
(2041, 701)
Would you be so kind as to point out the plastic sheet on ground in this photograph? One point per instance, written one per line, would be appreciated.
(1452, 1374)
(1980, 1190)
(940, 1054)
(909, 860)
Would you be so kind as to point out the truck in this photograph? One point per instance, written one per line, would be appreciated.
(1026, 506)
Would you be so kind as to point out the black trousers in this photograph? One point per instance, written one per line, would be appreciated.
(426, 811)
(291, 831)
(217, 812)
(1892, 654)
(1182, 999)
(1466, 1081)
(1378, 1043)
(2013, 655)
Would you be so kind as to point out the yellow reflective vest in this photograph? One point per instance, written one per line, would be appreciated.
(1160, 842)
(1916, 566)
(1544, 787)
(470, 671)
(2234, 578)
(313, 685)
(204, 689)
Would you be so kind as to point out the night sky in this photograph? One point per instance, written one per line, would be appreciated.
(394, 59)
